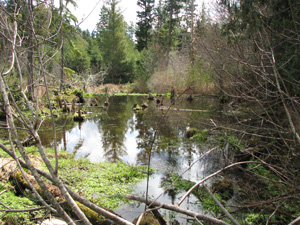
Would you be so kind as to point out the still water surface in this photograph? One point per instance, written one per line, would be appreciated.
(119, 133)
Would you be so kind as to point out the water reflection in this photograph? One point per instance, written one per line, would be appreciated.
(119, 133)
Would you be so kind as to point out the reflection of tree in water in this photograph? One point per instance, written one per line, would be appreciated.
(166, 139)
(165, 183)
(63, 125)
(113, 126)
(144, 138)
(78, 145)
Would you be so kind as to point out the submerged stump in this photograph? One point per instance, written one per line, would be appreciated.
(79, 116)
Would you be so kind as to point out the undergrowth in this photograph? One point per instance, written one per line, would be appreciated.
(104, 183)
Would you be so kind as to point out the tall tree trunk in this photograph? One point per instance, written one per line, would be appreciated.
(192, 51)
(170, 29)
(62, 63)
(30, 54)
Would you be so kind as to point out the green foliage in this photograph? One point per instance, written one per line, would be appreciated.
(183, 185)
(76, 55)
(200, 136)
(104, 183)
(235, 143)
(78, 92)
(251, 218)
(10, 199)
(145, 68)
(145, 16)
(199, 73)
(55, 91)
(69, 72)
(274, 28)
(115, 44)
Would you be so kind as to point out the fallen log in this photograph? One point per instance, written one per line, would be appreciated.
(177, 209)
(184, 110)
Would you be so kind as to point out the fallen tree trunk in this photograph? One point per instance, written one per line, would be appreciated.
(178, 209)
(185, 110)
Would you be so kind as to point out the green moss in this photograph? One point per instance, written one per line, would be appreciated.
(93, 217)
(224, 187)
(200, 136)
(148, 219)
(18, 202)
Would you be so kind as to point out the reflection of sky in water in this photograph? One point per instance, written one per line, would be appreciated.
(92, 141)
(87, 140)
(131, 147)
(92, 147)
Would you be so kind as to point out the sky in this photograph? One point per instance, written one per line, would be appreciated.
(87, 11)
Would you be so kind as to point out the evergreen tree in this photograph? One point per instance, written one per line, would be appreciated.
(93, 51)
(114, 44)
(168, 24)
(173, 8)
(145, 17)
(275, 27)
(190, 16)
(76, 55)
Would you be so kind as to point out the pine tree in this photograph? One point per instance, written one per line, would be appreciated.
(190, 8)
(143, 33)
(113, 41)
(173, 8)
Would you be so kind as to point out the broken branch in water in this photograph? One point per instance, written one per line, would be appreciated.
(177, 209)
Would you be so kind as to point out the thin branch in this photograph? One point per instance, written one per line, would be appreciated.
(75, 195)
(296, 221)
(13, 46)
(26, 178)
(212, 175)
(178, 209)
(221, 206)
(172, 184)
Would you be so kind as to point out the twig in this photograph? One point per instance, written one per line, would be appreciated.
(21, 210)
(152, 144)
(212, 175)
(270, 217)
(198, 220)
(4, 206)
(171, 185)
(148, 210)
(221, 206)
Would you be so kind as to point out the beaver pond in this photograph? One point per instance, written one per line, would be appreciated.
(120, 133)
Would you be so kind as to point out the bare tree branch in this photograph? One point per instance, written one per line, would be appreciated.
(178, 209)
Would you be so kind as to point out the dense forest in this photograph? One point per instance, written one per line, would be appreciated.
(247, 53)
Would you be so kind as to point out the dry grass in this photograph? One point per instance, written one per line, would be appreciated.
(110, 88)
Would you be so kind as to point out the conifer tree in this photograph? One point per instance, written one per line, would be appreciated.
(114, 42)
(173, 8)
(145, 23)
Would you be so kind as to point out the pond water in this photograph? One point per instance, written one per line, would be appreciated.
(120, 133)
